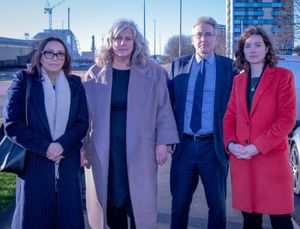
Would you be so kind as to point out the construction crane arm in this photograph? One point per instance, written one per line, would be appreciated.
(57, 4)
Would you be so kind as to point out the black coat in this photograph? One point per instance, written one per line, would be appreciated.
(38, 205)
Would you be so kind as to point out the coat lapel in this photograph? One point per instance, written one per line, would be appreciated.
(37, 95)
(186, 69)
(73, 103)
(101, 93)
(139, 88)
(220, 80)
(264, 82)
(242, 90)
(181, 83)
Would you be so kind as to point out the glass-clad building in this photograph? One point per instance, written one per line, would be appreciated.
(274, 16)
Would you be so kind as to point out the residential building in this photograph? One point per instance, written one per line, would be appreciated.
(276, 17)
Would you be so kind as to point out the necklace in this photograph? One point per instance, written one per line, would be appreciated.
(253, 83)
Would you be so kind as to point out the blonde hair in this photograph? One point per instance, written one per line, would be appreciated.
(140, 53)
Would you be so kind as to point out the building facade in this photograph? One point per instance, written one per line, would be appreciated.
(66, 35)
(18, 52)
(276, 17)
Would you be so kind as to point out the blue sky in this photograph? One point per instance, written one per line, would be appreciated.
(94, 17)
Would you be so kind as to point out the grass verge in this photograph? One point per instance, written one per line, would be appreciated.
(7, 189)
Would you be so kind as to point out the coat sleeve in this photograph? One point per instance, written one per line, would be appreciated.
(79, 127)
(286, 116)
(166, 130)
(15, 121)
(229, 121)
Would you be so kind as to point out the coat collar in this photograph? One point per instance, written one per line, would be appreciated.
(105, 74)
(264, 83)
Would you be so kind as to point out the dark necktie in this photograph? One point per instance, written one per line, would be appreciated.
(195, 123)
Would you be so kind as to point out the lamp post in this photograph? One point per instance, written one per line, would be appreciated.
(159, 40)
(180, 22)
(154, 36)
(145, 19)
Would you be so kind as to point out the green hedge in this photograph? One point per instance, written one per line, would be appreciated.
(7, 189)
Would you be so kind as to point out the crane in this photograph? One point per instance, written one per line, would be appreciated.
(49, 9)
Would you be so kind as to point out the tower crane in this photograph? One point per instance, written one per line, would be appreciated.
(49, 9)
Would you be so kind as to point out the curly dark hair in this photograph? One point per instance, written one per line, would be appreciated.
(240, 62)
(35, 62)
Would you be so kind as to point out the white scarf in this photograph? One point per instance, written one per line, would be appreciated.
(57, 104)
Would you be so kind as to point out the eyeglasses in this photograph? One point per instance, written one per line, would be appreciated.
(50, 55)
(205, 35)
(119, 39)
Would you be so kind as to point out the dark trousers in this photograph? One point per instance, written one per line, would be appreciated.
(254, 221)
(117, 218)
(194, 159)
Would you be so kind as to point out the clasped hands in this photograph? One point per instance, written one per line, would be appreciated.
(243, 152)
(54, 152)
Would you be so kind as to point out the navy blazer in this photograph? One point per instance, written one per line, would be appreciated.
(178, 83)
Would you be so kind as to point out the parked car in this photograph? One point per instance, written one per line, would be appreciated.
(156, 58)
(293, 63)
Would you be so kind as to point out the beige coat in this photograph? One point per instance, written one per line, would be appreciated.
(150, 121)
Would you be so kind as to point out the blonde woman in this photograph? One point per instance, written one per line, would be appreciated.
(132, 124)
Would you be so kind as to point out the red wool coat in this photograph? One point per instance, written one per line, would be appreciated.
(263, 184)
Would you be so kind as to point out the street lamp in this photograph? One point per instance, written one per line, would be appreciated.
(145, 19)
(159, 40)
(154, 36)
(180, 22)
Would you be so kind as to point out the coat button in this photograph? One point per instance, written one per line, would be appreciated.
(246, 141)
(247, 123)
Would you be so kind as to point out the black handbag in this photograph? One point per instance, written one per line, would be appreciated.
(12, 155)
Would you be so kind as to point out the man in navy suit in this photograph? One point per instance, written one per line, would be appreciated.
(200, 86)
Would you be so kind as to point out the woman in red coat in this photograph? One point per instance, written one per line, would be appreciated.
(260, 114)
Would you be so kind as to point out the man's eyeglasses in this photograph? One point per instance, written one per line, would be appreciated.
(50, 55)
(205, 35)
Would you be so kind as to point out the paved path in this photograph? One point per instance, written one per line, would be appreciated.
(198, 213)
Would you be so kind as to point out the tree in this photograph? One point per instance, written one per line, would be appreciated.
(221, 43)
(284, 30)
(172, 46)
(297, 20)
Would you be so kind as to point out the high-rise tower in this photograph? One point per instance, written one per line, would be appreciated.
(276, 17)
